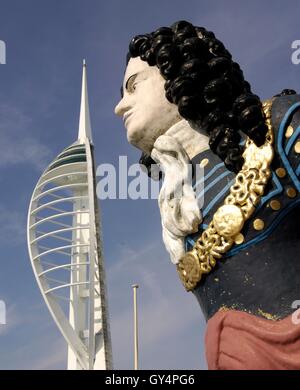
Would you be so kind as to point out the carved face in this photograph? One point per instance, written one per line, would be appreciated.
(146, 112)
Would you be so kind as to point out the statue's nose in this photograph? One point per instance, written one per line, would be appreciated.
(120, 108)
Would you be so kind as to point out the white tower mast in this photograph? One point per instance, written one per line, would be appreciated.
(63, 222)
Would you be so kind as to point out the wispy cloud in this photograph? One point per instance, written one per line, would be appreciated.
(56, 356)
(12, 227)
(18, 144)
(43, 348)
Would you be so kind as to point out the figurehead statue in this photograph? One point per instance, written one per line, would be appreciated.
(185, 102)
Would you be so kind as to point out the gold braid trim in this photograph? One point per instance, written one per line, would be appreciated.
(228, 221)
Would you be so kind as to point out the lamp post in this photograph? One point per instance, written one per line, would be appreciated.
(135, 321)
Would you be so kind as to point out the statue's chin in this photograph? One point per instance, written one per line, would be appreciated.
(135, 139)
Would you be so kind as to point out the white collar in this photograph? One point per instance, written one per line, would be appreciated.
(191, 140)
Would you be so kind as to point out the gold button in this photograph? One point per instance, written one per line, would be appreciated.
(228, 220)
(204, 162)
(280, 172)
(239, 239)
(258, 224)
(297, 147)
(275, 205)
(291, 192)
(289, 131)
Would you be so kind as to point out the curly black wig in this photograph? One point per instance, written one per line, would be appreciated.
(207, 86)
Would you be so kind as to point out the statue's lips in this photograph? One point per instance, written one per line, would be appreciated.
(126, 116)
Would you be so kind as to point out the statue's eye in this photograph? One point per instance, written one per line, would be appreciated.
(131, 83)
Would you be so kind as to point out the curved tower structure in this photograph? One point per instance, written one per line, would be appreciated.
(65, 248)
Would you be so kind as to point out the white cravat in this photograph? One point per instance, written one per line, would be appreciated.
(180, 213)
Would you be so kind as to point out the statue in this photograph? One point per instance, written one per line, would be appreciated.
(185, 101)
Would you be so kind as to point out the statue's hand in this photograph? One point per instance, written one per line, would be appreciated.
(180, 214)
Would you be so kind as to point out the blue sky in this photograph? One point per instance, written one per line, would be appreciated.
(39, 109)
